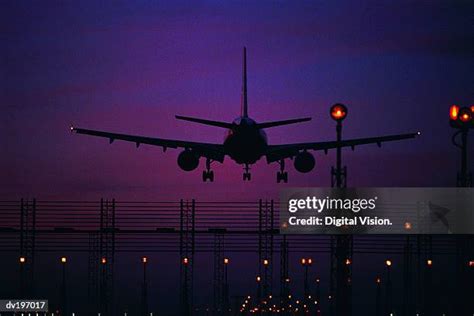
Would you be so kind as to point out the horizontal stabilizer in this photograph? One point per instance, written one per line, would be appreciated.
(285, 122)
(205, 122)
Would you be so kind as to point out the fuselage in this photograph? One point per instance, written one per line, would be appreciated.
(245, 142)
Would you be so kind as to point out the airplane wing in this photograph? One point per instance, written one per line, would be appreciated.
(211, 151)
(277, 152)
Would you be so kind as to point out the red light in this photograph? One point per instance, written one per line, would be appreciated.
(185, 261)
(453, 112)
(338, 112)
(471, 263)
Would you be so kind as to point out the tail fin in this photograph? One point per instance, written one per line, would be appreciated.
(243, 98)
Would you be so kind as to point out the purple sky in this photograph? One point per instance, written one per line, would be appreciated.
(130, 67)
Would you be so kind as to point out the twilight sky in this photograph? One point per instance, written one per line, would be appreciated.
(131, 66)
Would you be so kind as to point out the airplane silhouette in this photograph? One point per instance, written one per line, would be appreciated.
(245, 142)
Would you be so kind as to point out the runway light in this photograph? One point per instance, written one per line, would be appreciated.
(22, 259)
(453, 112)
(185, 260)
(63, 260)
(348, 262)
(259, 278)
(317, 280)
(226, 261)
(303, 261)
(378, 280)
(471, 263)
(429, 262)
(103, 260)
(144, 259)
(265, 262)
(310, 261)
(407, 225)
(338, 112)
(388, 263)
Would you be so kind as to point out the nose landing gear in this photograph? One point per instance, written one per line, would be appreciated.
(208, 174)
(282, 175)
(247, 175)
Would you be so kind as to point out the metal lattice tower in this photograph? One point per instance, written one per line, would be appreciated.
(27, 246)
(186, 250)
(265, 245)
(107, 252)
(219, 276)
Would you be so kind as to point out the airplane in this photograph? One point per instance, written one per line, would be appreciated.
(245, 142)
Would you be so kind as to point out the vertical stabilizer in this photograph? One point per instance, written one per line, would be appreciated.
(243, 98)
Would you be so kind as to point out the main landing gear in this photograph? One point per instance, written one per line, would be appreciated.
(208, 174)
(247, 176)
(282, 175)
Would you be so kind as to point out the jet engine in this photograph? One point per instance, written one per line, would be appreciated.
(304, 162)
(188, 160)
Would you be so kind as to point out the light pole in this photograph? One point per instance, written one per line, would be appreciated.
(185, 295)
(388, 299)
(226, 287)
(103, 285)
(22, 261)
(462, 119)
(144, 288)
(259, 294)
(428, 303)
(63, 296)
(266, 264)
(378, 296)
(306, 263)
(340, 272)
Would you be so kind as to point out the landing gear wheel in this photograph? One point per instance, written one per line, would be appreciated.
(282, 176)
(208, 175)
